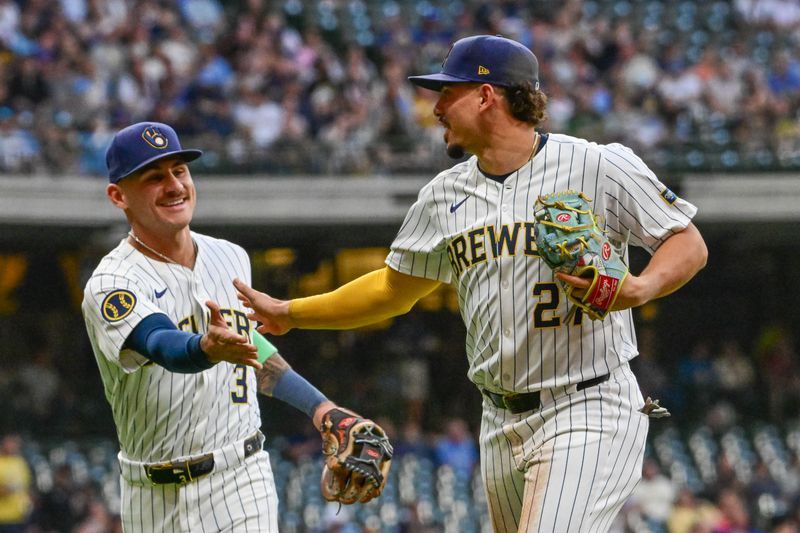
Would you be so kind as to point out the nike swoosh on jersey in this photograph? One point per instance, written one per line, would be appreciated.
(159, 294)
(454, 206)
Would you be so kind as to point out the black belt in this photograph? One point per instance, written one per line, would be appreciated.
(519, 402)
(185, 471)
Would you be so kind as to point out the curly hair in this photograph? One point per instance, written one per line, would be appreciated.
(527, 103)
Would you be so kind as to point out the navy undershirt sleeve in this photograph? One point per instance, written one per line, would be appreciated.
(157, 338)
(293, 389)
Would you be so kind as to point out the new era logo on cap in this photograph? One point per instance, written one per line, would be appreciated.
(138, 145)
(510, 63)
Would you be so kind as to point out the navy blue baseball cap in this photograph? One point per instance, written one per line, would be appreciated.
(141, 144)
(484, 59)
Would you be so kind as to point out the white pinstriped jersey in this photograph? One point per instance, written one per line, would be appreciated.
(162, 415)
(478, 234)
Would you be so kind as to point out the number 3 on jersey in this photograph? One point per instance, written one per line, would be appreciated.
(239, 395)
(549, 297)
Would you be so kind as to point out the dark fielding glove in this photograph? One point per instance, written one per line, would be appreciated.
(357, 457)
(570, 241)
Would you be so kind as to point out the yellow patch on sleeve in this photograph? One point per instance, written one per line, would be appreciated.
(118, 304)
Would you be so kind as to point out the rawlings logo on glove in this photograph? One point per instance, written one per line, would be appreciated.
(570, 241)
(357, 457)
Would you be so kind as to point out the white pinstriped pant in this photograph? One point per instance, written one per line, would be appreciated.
(236, 499)
(569, 466)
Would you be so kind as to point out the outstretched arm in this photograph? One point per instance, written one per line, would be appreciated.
(373, 297)
(675, 262)
(159, 339)
(277, 379)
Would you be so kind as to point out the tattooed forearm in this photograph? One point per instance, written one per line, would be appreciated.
(268, 376)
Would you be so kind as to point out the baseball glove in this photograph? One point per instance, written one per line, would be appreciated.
(570, 241)
(357, 457)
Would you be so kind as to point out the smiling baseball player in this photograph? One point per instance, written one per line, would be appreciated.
(562, 435)
(173, 345)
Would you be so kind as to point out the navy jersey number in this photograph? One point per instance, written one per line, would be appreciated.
(549, 299)
(240, 394)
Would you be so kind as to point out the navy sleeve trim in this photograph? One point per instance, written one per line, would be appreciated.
(293, 389)
(157, 338)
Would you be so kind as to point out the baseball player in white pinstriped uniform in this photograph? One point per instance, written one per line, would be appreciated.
(172, 343)
(562, 438)
(162, 415)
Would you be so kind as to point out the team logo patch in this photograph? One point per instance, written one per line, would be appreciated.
(482, 71)
(155, 138)
(669, 196)
(118, 305)
(563, 217)
(606, 251)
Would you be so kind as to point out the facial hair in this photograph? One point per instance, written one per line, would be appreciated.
(455, 151)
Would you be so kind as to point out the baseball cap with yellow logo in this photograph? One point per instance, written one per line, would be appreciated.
(138, 145)
(484, 59)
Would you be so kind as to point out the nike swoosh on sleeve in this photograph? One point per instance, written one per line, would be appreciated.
(455, 206)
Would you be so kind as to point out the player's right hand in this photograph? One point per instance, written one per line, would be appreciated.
(271, 312)
(220, 343)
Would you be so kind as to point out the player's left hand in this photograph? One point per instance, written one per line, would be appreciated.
(357, 457)
(220, 343)
(630, 295)
(570, 241)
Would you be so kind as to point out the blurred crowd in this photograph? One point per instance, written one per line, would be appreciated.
(60, 500)
(320, 86)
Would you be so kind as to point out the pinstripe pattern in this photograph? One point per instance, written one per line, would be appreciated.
(477, 234)
(160, 415)
(229, 499)
(569, 466)
(506, 351)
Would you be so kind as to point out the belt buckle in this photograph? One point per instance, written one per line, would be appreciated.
(181, 470)
(510, 397)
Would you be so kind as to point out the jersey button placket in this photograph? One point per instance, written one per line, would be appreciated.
(200, 297)
(507, 344)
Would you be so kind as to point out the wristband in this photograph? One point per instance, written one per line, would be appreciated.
(265, 348)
